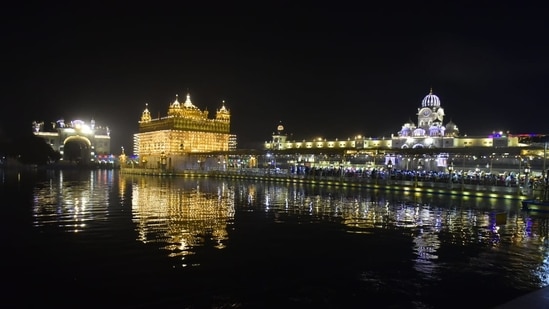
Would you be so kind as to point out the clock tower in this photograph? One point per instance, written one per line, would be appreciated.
(430, 113)
(429, 131)
(425, 117)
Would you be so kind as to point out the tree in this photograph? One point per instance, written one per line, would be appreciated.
(29, 149)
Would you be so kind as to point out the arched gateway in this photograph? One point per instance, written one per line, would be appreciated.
(77, 141)
(77, 149)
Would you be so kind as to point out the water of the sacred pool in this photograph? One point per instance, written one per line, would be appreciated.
(94, 238)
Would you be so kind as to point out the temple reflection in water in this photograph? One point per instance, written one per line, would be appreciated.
(185, 216)
(189, 214)
(182, 215)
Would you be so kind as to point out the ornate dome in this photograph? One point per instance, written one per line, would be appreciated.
(430, 100)
(436, 130)
(406, 131)
(175, 103)
(146, 116)
(188, 103)
(410, 123)
(452, 129)
(451, 125)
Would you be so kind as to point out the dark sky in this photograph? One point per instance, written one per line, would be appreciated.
(329, 71)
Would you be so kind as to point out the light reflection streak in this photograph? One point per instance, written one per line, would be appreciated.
(180, 215)
(72, 200)
(480, 225)
(183, 216)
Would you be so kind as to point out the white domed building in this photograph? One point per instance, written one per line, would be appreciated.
(430, 131)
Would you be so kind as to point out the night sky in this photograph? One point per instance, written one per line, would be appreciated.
(331, 71)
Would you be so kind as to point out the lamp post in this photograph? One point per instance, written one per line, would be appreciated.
(419, 168)
(450, 174)
(463, 174)
(389, 169)
(526, 172)
(267, 163)
(543, 171)
(518, 175)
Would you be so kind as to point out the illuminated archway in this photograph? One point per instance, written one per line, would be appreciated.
(77, 149)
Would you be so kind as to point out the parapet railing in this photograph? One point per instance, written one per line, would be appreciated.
(420, 184)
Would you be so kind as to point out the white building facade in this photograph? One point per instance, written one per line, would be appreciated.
(430, 131)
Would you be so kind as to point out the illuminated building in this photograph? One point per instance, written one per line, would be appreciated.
(430, 144)
(76, 140)
(233, 144)
(430, 132)
(168, 142)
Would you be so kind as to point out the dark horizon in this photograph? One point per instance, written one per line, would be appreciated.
(322, 72)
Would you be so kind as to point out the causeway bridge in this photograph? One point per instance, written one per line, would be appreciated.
(415, 185)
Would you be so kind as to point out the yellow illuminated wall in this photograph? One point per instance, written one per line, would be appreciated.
(185, 129)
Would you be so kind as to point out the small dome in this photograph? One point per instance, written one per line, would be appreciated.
(451, 126)
(452, 129)
(223, 108)
(406, 129)
(188, 103)
(436, 130)
(430, 100)
(418, 132)
(410, 123)
(175, 103)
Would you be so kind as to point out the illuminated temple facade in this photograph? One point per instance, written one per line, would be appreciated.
(168, 141)
(430, 131)
(77, 140)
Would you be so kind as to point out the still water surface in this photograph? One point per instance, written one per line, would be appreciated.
(87, 239)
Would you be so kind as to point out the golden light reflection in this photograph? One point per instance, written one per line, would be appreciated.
(72, 201)
(181, 215)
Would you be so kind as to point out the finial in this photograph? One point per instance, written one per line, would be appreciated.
(431, 90)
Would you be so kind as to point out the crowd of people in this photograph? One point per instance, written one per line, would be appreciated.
(475, 177)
